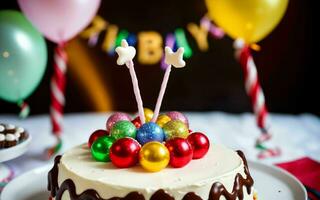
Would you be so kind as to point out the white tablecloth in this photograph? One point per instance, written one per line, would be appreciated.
(296, 135)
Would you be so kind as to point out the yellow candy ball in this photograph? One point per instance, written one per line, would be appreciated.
(163, 119)
(154, 156)
(175, 128)
(148, 114)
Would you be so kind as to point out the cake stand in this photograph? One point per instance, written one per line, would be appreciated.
(8, 154)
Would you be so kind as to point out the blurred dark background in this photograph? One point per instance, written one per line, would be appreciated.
(212, 80)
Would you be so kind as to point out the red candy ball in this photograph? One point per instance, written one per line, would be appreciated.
(95, 135)
(125, 152)
(180, 152)
(137, 122)
(200, 144)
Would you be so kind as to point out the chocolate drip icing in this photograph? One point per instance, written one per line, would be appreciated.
(161, 194)
(217, 189)
(53, 185)
(68, 185)
(191, 196)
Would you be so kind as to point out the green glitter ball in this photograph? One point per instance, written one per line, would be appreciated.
(100, 149)
(175, 128)
(123, 129)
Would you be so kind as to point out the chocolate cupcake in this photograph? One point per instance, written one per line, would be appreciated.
(11, 135)
(11, 140)
(9, 128)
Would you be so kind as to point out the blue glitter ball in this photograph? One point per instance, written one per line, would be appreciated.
(150, 132)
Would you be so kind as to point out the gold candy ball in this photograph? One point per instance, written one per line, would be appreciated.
(175, 128)
(163, 119)
(148, 114)
(154, 156)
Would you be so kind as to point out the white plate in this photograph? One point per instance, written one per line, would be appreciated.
(271, 183)
(15, 151)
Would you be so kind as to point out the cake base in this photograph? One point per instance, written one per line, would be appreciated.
(221, 175)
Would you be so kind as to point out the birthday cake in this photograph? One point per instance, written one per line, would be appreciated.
(150, 157)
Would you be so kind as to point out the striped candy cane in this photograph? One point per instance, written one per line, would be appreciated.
(58, 83)
(255, 92)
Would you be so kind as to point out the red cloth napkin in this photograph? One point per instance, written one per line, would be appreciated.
(306, 170)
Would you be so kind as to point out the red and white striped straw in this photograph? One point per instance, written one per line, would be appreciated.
(58, 83)
(255, 92)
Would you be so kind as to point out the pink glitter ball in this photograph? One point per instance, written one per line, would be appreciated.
(117, 117)
(174, 115)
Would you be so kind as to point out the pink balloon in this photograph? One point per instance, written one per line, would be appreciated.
(60, 20)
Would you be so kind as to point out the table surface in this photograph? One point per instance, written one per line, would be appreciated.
(296, 135)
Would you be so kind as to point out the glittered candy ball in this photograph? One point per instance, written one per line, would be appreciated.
(175, 128)
(136, 122)
(175, 115)
(123, 129)
(148, 132)
(125, 152)
(100, 149)
(163, 119)
(117, 117)
(148, 114)
(180, 152)
(200, 144)
(95, 135)
(154, 156)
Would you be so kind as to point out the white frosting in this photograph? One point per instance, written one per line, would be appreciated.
(10, 137)
(2, 128)
(219, 165)
(20, 130)
(10, 126)
(2, 137)
(17, 134)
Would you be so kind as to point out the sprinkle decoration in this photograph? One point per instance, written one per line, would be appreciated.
(255, 92)
(148, 132)
(100, 149)
(58, 83)
(175, 128)
(95, 135)
(118, 116)
(180, 152)
(154, 156)
(123, 129)
(200, 144)
(124, 152)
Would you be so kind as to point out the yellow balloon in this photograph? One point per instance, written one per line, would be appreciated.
(163, 119)
(154, 156)
(251, 20)
(148, 114)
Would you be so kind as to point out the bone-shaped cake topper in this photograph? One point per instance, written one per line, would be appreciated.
(174, 58)
(125, 52)
(171, 58)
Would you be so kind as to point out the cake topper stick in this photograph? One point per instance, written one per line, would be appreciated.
(171, 58)
(126, 54)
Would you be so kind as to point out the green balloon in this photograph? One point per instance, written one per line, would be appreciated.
(100, 149)
(23, 56)
(123, 129)
(175, 128)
